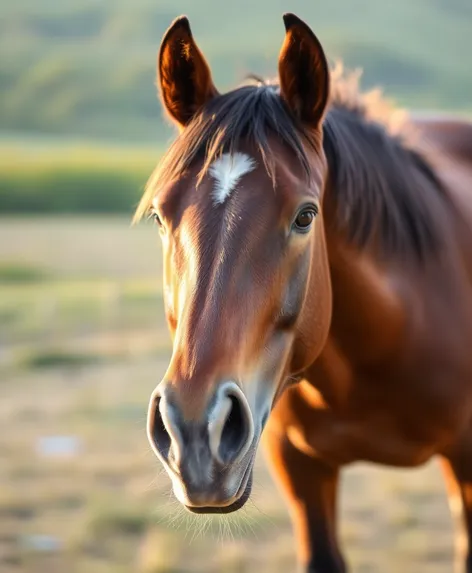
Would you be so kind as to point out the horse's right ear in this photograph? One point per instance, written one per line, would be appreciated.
(303, 72)
(183, 76)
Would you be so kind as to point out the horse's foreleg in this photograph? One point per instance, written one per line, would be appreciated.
(310, 487)
(458, 473)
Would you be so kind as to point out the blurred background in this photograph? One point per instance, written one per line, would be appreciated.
(82, 334)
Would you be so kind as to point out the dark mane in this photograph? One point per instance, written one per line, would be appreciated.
(382, 186)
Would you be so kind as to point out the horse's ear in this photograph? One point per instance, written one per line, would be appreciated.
(303, 72)
(183, 76)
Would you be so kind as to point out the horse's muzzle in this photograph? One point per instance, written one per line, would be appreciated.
(209, 460)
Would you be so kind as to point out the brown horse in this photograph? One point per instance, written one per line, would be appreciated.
(318, 284)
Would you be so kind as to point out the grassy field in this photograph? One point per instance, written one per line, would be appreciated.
(64, 176)
(82, 345)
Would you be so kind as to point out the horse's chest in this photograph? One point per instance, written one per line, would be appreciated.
(379, 431)
(343, 441)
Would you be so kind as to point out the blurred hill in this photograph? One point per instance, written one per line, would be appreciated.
(87, 68)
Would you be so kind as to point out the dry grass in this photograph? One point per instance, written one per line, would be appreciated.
(106, 507)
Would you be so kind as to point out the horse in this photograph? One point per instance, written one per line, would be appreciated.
(317, 287)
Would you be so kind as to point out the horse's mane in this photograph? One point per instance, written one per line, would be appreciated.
(382, 185)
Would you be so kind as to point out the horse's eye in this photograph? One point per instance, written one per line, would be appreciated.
(305, 218)
(156, 218)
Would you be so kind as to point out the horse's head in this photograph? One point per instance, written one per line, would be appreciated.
(238, 202)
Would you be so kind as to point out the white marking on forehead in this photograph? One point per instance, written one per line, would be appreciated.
(228, 170)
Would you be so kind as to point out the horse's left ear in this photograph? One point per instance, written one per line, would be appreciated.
(183, 75)
(303, 72)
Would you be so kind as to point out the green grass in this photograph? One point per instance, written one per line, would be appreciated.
(74, 178)
(59, 358)
(18, 273)
(88, 68)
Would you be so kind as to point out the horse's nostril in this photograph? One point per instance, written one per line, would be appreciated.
(159, 433)
(235, 432)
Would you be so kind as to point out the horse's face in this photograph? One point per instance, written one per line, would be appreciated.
(244, 266)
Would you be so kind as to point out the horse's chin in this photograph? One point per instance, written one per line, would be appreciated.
(238, 504)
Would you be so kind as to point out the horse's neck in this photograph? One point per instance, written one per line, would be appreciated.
(367, 311)
(368, 320)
